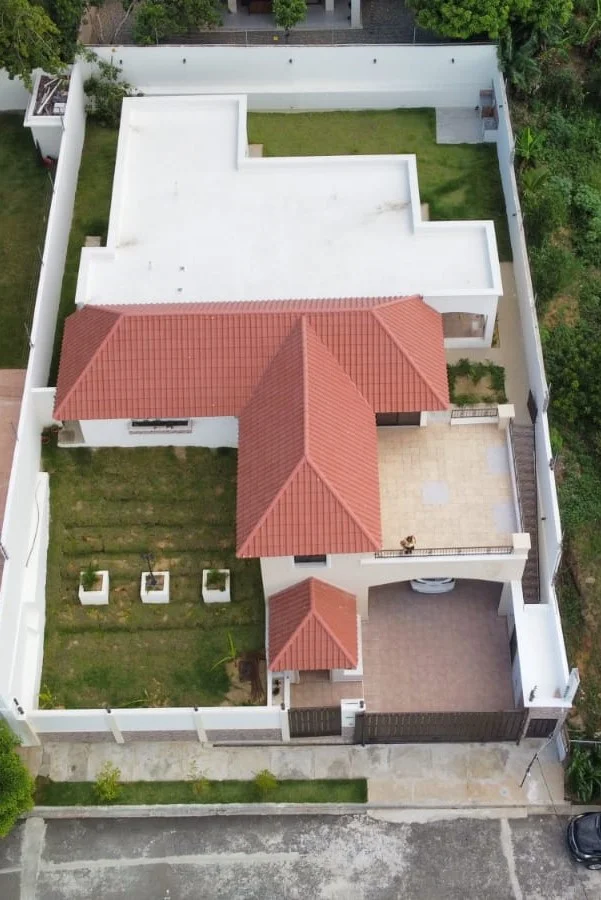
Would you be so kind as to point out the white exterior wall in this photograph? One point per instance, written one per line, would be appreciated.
(357, 573)
(206, 432)
(317, 77)
(22, 598)
(14, 96)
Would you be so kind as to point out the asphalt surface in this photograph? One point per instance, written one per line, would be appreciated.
(321, 857)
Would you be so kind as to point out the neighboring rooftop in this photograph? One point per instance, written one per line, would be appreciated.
(194, 219)
(449, 486)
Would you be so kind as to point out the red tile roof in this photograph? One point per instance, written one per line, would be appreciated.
(189, 360)
(312, 625)
(308, 478)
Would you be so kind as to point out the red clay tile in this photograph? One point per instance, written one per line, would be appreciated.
(188, 360)
(312, 626)
(308, 478)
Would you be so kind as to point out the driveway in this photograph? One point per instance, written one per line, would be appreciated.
(265, 857)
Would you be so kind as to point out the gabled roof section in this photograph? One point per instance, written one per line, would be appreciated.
(189, 360)
(307, 459)
(85, 337)
(312, 625)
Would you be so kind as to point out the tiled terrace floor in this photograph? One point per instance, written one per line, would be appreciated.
(448, 485)
(323, 693)
(436, 653)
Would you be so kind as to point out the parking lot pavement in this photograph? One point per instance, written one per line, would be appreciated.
(353, 857)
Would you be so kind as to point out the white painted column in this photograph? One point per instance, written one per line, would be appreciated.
(489, 328)
(200, 731)
(329, 6)
(114, 727)
(232, 5)
(29, 735)
(355, 13)
(284, 724)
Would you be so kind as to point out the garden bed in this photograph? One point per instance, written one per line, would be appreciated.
(473, 383)
(109, 507)
(77, 793)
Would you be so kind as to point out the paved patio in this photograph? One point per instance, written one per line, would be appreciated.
(436, 653)
(322, 692)
(427, 486)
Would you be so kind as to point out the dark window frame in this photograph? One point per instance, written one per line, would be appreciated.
(390, 419)
(319, 559)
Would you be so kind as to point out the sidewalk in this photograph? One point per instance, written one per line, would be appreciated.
(398, 775)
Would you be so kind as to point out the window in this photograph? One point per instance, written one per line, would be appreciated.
(160, 426)
(311, 560)
(413, 418)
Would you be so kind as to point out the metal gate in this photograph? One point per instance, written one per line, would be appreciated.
(451, 727)
(541, 728)
(315, 721)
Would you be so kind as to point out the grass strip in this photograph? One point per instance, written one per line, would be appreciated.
(83, 793)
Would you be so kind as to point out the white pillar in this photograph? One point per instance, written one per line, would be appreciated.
(284, 724)
(28, 733)
(355, 13)
(114, 727)
(489, 328)
(329, 6)
(232, 6)
(200, 731)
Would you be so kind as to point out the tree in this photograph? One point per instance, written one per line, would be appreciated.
(28, 40)
(159, 19)
(464, 18)
(16, 784)
(288, 13)
(491, 18)
(106, 91)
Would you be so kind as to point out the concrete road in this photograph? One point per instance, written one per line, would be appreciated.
(308, 857)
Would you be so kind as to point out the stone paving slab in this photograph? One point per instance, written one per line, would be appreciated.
(469, 775)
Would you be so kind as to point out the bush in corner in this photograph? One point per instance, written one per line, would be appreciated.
(16, 784)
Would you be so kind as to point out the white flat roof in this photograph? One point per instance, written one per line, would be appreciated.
(193, 218)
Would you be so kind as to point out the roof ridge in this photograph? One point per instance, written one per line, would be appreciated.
(404, 352)
(377, 543)
(270, 506)
(94, 355)
(325, 625)
(302, 621)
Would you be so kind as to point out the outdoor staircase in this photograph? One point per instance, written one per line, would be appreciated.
(522, 438)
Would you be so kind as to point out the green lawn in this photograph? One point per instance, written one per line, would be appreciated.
(108, 507)
(459, 182)
(90, 215)
(50, 793)
(24, 199)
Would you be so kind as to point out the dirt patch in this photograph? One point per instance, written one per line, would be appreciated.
(464, 386)
(563, 309)
(241, 692)
(180, 453)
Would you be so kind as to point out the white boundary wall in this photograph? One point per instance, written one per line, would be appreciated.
(14, 96)
(550, 536)
(22, 599)
(317, 78)
(279, 78)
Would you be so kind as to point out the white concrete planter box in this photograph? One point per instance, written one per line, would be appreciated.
(154, 595)
(211, 595)
(96, 598)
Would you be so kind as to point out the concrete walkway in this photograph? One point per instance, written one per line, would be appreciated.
(400, 775)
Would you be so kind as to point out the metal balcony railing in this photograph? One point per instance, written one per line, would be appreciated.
(444, 551)
(474, 412)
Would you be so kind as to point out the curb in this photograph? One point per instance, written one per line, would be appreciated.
(201, 810)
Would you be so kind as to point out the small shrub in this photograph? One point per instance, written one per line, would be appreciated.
(106, 92)
(584, 772)
(201, 786)
(587, 215)
(107, 786)
(216, 580)
(88, 577)
(265, 782)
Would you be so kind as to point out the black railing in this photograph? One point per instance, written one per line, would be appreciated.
(474, 412)
(444, 551)
(516, 480)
